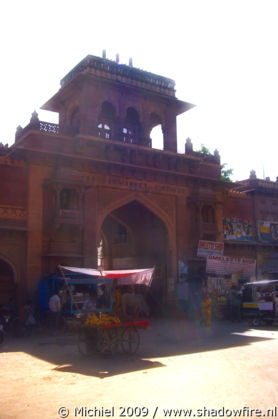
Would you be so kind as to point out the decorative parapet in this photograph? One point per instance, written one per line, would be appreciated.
(11, 212)
(4, 148)
(49, 127)
(237, 194)
(206, 156)
(114, 70)
(258, 184)
(36, 124)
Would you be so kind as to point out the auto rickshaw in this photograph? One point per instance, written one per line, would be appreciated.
(260, 302)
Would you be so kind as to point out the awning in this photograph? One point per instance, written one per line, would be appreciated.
(124, 277)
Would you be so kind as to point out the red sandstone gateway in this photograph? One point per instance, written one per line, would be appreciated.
(94, 190)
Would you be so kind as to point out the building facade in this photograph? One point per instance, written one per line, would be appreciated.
(92, 191)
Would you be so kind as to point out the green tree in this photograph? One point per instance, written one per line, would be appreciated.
(204, 150)
(226, 173)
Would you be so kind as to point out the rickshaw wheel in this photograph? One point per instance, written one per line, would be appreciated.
(256, 322)
(130, 340)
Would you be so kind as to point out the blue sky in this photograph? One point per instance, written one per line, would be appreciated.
(222, 55)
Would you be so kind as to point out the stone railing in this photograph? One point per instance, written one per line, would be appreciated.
(36, 124)
(237, 194)
(11, 212)
(49, 127)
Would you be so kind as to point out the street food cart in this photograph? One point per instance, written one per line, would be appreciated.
(103, 331)
(260, 301)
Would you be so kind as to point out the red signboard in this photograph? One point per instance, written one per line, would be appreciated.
(206, 248)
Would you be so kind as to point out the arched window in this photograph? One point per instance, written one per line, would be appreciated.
(156, 133)
(157, 138)
(208, 214)
(104, 130)
(128, 135)
(106, 120)
(132, 127)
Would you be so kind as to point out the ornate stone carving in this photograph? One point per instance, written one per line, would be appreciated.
(17, 213)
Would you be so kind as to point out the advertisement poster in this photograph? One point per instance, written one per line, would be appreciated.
(226, 265)
(206, 248)
(237, 229)
(268, 231)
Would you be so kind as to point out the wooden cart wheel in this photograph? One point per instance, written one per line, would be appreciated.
(107, 341)
(130, 340)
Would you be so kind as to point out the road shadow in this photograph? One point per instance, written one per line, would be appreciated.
(166, 338)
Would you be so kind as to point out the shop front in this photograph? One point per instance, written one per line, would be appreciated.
(225, 277)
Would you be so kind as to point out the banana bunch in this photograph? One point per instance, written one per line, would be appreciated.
(108, 318)
(94, 320)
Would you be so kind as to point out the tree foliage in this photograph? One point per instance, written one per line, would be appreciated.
(225, 173)
(204, 150)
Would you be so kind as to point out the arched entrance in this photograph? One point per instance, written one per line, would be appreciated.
(7, 281)
(132, 236)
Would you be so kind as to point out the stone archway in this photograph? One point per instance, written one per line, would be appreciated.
(7, 281)
(137, 237)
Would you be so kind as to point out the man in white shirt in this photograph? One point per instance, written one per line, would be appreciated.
(55, 311)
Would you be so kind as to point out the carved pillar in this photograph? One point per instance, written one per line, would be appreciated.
(219, 221)
(170, 133)
(183, 227)
(90, 230)
(89, 108)
(37, 174)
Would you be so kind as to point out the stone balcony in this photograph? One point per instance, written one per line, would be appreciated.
(117, 151)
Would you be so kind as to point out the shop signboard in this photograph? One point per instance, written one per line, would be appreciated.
(226, 265)
(206, 248)
(237, 229)
(268, 231)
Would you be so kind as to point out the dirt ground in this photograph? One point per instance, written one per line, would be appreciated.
(179, 366)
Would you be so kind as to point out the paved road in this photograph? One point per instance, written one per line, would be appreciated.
(179, 366)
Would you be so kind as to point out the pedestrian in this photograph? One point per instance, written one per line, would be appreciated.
(206, 309)
(55, 311)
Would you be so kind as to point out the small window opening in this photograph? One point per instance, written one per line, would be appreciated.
(68, 199)
(104, 131)
(208, 214)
